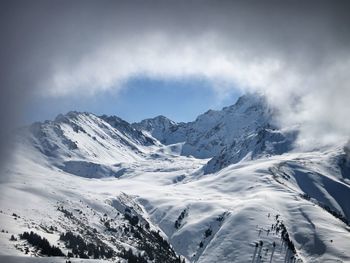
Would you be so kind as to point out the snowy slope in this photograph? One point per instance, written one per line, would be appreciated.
(42, 198)
(93, 176)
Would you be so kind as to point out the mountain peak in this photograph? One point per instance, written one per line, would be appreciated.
(211, 131)
(71, 115)
(157, 126)
(159, 119)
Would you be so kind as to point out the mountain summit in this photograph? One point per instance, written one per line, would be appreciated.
(208, 135)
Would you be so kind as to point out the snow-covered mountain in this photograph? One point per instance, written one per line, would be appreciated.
(88, 136)
(244, 130)
(87, 145)
(227, 187)
(212, 131)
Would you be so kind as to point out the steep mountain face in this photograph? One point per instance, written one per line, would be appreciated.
(212, 131)
(86, 145)
(101, 188)
(262, 142)
(128, 131)
(67, 134)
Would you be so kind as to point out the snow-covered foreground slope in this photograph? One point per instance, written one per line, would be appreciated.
(121, 189)
(225, 213)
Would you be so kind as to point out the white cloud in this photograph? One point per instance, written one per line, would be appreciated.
(295, 53)
(322, 92)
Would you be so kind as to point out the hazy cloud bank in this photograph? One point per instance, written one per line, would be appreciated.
(295, 52)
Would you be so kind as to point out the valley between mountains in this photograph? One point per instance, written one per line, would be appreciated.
(228, 187)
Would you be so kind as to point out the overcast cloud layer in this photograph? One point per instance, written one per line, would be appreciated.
(296, 52)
